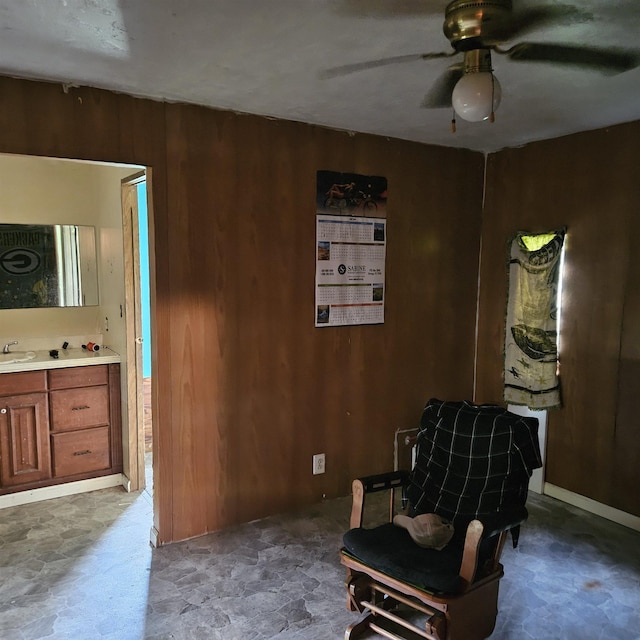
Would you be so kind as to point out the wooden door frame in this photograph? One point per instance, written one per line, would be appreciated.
(134, 436)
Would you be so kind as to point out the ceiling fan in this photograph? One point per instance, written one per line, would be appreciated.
(477, 28)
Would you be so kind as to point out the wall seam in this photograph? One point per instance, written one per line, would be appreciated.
(475, 354)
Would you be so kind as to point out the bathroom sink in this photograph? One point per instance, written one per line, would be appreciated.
(16, 356)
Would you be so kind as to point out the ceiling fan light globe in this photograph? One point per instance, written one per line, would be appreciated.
(473, 93)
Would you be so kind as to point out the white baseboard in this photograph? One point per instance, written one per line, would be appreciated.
(59, 490)
(599, 509)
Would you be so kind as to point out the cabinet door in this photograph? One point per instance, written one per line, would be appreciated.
(24, 439)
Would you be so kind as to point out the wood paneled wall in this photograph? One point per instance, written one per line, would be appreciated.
(588, 182)
(246, 390)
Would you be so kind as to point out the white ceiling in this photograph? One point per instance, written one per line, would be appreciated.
(267, 56)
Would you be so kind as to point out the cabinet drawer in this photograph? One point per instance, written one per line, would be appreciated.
(79, 408)
(79, 376)
(80, 451)
(22, 382)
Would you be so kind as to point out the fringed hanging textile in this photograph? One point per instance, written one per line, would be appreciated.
(531, 345)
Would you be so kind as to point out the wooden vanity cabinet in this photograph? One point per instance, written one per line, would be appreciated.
(59, 425)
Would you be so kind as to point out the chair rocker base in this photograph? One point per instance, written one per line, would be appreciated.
(470, 615)
(390, 608)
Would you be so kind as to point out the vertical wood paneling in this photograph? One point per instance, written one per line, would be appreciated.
(586, 182)
(245, 388)
(194, 200)
(626, 456)
(273, 389)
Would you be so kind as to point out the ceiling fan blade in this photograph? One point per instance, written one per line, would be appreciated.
(439, 95)
(605, 60)
(386, 8)
(525, 20)
(346, 69)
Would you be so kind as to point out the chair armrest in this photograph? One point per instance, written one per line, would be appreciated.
(382, 481)
(503, 521)
(371, 484)
(487, 527)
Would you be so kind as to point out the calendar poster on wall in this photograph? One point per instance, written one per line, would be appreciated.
(350, 249)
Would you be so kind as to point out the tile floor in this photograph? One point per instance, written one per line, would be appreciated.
(81, 568)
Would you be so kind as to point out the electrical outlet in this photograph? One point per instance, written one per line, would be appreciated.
(318, 464)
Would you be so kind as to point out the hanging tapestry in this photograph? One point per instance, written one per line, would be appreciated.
(531, 345)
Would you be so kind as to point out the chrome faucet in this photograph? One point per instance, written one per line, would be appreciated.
(5, 349)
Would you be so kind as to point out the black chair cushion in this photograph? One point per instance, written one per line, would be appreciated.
(390, 549)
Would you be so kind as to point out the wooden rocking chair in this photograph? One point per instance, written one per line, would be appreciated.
(473, 466)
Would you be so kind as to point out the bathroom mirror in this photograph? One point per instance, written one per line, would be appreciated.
(47, 266)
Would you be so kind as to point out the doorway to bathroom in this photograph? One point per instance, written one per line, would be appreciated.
(41, 190)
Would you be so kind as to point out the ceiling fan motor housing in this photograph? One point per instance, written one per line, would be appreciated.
(477, 61)
(469, 25)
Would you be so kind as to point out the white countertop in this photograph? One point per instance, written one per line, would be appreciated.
(66, 358)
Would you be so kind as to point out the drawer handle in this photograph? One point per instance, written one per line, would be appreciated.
(3, 410)
(86, 406)
(82, 453)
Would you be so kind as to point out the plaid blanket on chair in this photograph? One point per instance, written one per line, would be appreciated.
(472, 460)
